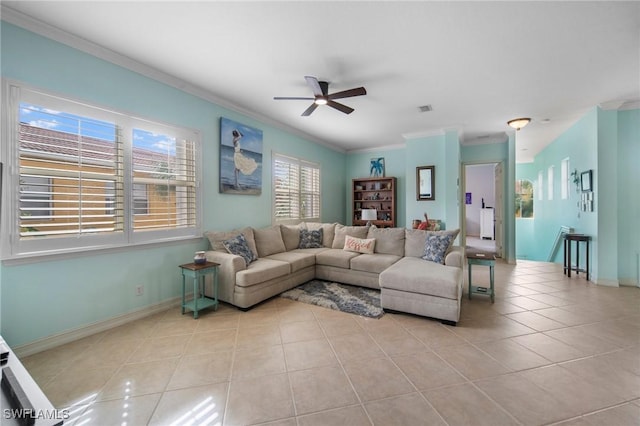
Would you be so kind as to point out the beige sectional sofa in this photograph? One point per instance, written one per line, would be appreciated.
(407, 282)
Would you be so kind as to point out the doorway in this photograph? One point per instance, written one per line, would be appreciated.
(482, 207)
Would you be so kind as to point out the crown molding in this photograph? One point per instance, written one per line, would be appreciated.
(49, 31)
(377, 149)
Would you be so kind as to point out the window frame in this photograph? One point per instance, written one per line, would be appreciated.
(518, 196)
(300, 192)
(13, 247)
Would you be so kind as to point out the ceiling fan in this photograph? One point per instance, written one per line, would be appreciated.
(321, 95)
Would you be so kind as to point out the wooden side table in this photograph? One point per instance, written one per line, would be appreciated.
(198, 273)
(486, 259)
(578, 238)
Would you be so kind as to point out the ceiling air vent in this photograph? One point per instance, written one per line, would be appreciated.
(425, 108)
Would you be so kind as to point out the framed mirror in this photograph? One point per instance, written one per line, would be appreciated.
(426, 183)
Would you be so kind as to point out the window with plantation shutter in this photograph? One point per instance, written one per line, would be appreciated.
(80, 177)
(70, 170)
(164, 185)
(296, 190)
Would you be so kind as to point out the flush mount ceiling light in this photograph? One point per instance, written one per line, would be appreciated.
(519, 123)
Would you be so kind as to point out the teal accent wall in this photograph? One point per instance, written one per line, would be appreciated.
(427, 151)
(607, 142)
(441, 151)
(358, 165)
(44, 298)
(628, 123)
(605, 244)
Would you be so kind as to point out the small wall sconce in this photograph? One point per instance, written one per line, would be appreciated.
(519, 123)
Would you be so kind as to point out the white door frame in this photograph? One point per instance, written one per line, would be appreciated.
(463, 208)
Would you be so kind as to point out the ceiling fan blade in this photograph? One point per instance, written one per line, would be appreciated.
(315, 86)
(359, 91)
(340, 107)
(309, 110)
(280, 98)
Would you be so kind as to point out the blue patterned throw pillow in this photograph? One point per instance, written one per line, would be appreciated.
(436, 246)
(239, 246)
(310, 238)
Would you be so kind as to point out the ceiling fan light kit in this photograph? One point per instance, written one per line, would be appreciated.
(519, 123)
(321, 96)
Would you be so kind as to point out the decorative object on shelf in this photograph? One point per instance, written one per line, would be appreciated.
(519, 123)
(240, 158)
(426, 183)
(369, 215)
(377, 167)
(199, 258)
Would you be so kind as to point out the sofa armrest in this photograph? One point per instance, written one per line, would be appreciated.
(230, 264)
(455, 257)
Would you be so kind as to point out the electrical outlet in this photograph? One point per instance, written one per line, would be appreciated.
(139, 290)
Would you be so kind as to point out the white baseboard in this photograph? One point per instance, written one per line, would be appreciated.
(629, 282)
(607, 283)
(51, 342)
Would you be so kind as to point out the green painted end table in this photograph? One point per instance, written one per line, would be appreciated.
(198, 273)
(486, 259)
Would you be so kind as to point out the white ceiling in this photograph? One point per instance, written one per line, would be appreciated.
(478, 64)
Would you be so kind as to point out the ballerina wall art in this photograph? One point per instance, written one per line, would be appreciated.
(240, 158)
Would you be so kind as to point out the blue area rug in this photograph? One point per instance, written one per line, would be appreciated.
(340, 297)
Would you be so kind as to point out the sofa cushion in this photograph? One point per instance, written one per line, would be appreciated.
(336, 257)
(415, 240)
(353, 231)
(290, 236)
(217, 238)
(297, 259)
(388, 240)
(375, 263)
(262, 270)
(238, 245)
(269, 240)
(411, 274)
(359, 245)
(436, 246)
(328, 231)
(310, 238)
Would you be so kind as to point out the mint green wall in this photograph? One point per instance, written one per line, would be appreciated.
(427, 151)
(441, 151)
(605, 184)
(579, 144)
(628, 197)
(75, 292)
(607, 142)
(357, 166)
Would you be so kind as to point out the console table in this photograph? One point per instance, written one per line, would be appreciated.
(578, 238)
(486, 259)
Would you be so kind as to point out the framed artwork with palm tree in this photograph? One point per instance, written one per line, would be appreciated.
(377, 167)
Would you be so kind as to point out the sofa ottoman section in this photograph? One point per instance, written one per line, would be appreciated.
(423, 288)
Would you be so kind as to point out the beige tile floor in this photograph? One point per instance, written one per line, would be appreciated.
(550, 350)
